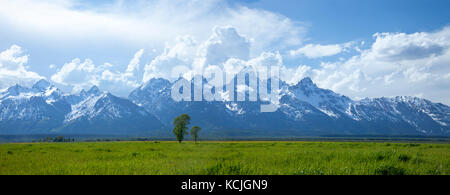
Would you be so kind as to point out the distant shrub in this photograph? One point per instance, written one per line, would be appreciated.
(10, 152)
(160, 155)
(404, 157)
(310, 171)
(134, 154)
(227, 169)
(389, 170)
(56, 139)
(329, 157)
(435, 171)
(103, 150)
(379, 156)
(417, 160)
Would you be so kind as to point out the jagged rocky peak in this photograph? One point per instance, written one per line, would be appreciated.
(94, 91)
(155, 83)
(16, 89)
(82, 93)
(109, 95)
(396, 99)
(248, 69)
(41, 85)
(306, 87)
(307, 81)
(410, 99)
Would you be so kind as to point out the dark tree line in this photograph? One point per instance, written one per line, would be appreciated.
(56, 139)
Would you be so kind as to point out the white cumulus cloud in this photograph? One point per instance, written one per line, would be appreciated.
(224, 43)
(77, 75)
(317, 50)
(395, 64)
(13, 68)
(140, 23)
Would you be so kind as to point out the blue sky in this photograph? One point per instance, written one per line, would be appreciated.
(342, 20)
(359, 48)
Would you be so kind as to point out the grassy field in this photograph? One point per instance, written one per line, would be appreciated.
(229, 158)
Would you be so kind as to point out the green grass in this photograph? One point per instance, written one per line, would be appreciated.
(229, 158)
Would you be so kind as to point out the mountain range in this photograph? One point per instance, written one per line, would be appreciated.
(304, 110)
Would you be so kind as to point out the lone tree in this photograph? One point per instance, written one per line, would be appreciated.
(194, 132)
(181, 126)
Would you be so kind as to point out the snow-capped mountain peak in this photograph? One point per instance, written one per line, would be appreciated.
(307, 81)
(41, 85)
(327, 101)
(304, 109)
(83, 93)
(94, 90)
(15, 90)
(155, 83)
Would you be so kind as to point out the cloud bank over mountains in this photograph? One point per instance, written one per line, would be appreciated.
(217, 34)
(13, 68)
(414, 64)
